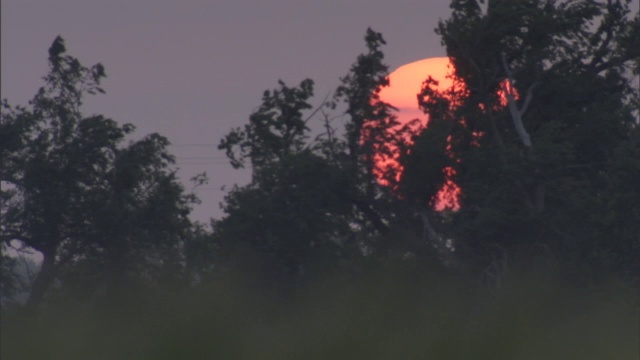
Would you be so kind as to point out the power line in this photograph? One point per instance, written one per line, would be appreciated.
(201, 157)
(193, 145)
(200, 164)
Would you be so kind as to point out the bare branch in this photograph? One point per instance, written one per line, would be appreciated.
(324, 101)
(516, 114)
(527, 99)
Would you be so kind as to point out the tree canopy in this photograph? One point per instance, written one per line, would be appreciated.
(537, 171)
(540, 134)
(535, 131)
(97, 210)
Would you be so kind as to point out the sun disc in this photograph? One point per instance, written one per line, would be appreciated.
(404, 85)
(406, 82)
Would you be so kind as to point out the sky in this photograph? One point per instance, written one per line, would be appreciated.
(193, 69)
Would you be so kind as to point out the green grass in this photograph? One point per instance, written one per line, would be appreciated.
(374, 317)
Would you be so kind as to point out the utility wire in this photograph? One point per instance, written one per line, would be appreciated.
(193, 145)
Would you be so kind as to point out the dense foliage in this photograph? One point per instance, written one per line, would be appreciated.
(544, 174)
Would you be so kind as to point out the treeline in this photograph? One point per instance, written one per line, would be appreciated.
(540, 132)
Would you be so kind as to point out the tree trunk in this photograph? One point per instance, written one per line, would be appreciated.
(437, 242)
(43, 281)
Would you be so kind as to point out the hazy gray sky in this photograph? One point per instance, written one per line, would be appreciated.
(192, 69)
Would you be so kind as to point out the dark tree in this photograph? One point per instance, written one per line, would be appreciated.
(276, 130)
(539, 130)
(292, 216)
(72, 191)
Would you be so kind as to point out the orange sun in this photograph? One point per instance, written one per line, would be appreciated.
(404, 85)
(406, 82)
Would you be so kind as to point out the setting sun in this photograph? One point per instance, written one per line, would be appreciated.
(404, 85)
(406, 82)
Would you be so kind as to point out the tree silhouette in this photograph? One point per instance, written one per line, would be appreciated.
(75, 194)
(548, 108)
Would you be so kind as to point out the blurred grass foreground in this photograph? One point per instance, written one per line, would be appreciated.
(375, 316)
